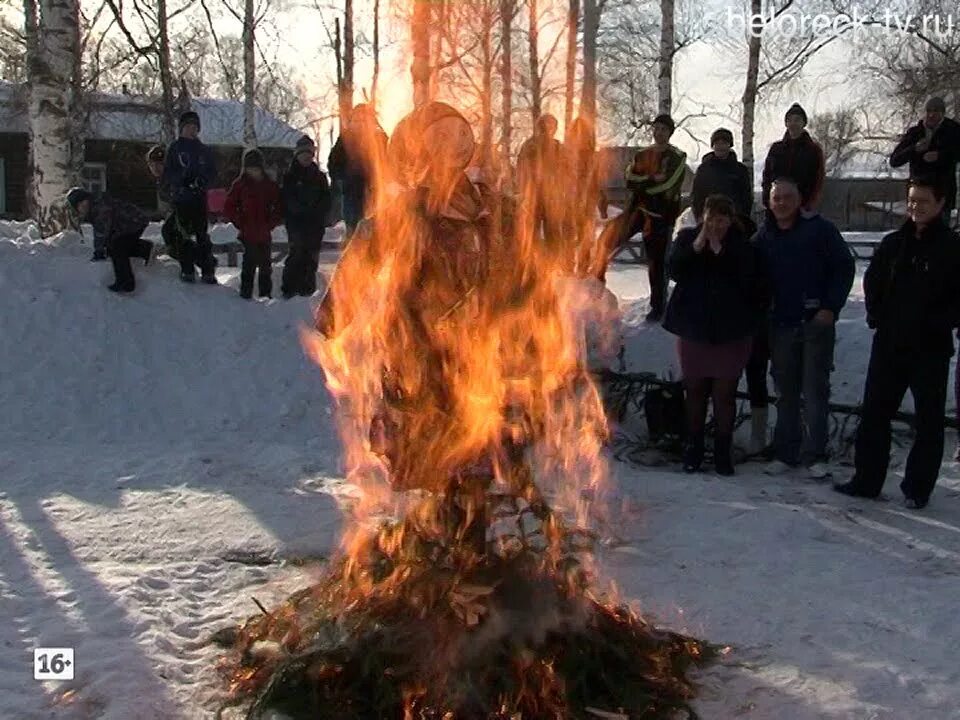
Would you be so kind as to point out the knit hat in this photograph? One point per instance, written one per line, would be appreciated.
(189, 118)
(252, 158)
(795, 109)
(156, 154)
(77, 195)
(666, 121)
(721, 134)
(305, 144)
(936, 104)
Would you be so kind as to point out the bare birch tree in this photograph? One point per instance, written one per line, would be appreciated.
(668, 46)
(573, 25)
(52, 108)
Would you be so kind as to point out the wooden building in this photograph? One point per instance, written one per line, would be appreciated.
(121, 129)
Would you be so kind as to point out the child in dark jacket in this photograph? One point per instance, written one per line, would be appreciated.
(306, 203)
(253, 206)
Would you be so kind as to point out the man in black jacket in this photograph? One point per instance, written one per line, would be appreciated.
(932, 147)
(913, 303)
(306, 200)
(797, 156)
(720, 173)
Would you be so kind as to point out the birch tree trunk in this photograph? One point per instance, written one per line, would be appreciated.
(376, 52)
(750, 94)
(31, 33)
(348, 54)
(168, 121)
(420, 36)
(507, 11)
(52, 109)
(667, 48)
(573, 21)
(535, 87)
(338, 52)
(591, 27)
(249, 77)
(486, 84)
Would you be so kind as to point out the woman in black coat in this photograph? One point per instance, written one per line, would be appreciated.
(715, 309)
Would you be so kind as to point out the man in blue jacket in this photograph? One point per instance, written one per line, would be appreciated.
(811, 271)
(188, 171)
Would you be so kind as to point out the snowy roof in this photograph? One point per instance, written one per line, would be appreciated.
(129, 117)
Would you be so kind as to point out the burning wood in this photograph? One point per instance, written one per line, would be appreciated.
(469, 420)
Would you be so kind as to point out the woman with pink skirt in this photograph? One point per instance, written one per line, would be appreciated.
(715, 309)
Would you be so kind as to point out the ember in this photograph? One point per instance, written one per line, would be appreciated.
(474, 433)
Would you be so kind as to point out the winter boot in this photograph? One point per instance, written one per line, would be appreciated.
(723, 455)
(693, 454)
(209, 279)
(188, 277)
(118, 288)
(98, 256)
(759, 416)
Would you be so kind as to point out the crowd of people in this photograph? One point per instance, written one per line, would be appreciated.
(748, 296)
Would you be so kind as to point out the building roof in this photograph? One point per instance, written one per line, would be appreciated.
(135, 118)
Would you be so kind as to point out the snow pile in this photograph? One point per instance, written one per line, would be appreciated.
(168, 456)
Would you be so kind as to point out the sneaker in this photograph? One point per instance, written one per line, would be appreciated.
(850, 489)
(914, 503)
(188, 277)
(777, 467)
(819, 471)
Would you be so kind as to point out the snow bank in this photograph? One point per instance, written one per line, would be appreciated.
(167, 457)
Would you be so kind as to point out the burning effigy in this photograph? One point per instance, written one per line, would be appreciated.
(473, 432)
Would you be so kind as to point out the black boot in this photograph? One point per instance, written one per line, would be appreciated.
(723, 455)
(693, 454)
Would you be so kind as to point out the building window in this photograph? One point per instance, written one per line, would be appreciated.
(93, 177)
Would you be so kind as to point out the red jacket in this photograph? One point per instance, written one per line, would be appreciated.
(254, 207)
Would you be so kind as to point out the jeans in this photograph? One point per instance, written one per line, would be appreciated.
(756, 370)
(891, 372)
(801, 361)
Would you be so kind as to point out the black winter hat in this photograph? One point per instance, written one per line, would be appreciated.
(795, 109)
(721, 134)
(252, 158)
(935, 104)
(666, 121)
(305, 144)
(77, 195)
(189, 118)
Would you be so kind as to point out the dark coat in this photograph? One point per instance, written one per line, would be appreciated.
(717, 298)
(306, 199)
(188, 171)
(112, 218)
(728, 177)
(254, 207)
(353, 165)
(800, 159)
(810, 268)
(945, 141)
(912, 289)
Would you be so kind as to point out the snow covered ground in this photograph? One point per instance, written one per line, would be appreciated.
(169, 456)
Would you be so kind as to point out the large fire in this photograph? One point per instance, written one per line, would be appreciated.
(474, 433)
